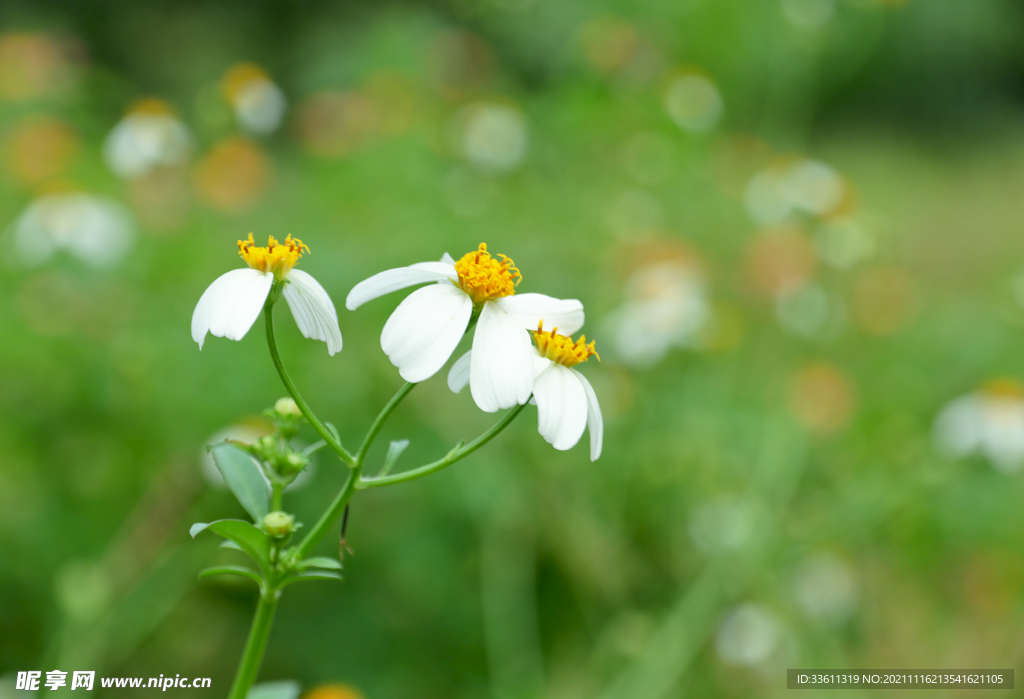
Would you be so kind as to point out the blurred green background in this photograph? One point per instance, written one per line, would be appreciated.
(797, 227)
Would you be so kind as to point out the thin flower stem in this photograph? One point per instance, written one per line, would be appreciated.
(334, 444)
(327, 519)
(252, 656)
(453, 456)
(382, 417)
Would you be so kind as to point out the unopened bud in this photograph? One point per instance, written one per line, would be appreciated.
(286, 408)
(296, 461)
(279, 524)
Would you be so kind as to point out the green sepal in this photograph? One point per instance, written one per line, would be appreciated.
(244, 477)
(250, 539)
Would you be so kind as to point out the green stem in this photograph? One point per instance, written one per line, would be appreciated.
(326, 521)
(249, 665)
(275, 497)
(268, 312)
(453, 456)
(382, 417)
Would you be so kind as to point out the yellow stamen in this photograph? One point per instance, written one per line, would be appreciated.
(561, 349)
(277, 257)
(485, 278)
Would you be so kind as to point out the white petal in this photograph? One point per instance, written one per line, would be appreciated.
(204, 309)
(394, 279)
(458, 375)
(313, 310)
(447, 259)
(501, 370)
(530, 309)
(561, 406)
(424, 330)
(595, 422)
(230, 305)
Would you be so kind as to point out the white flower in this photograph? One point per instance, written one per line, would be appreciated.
(149, 136)
(258, 102)
(566, 403)
(424, 330)
(989, 421)
(230, 305)
(666, 306)
(97, 230)
(493, 137)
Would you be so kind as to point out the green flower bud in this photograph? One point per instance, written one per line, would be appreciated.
(265, 448)
(286, 407)
(279, 524)
(296, 461)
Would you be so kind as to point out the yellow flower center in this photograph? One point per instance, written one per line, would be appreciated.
(561, 349)
(277, 257)
(485, 278)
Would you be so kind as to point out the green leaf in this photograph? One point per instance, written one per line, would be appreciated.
(334, 432)
(395, 450)
(313, 575)
(250, 539)
(244, 478)
(320, 562)
(314, 448)
(232, 570)
(229, 544)
(285, 689)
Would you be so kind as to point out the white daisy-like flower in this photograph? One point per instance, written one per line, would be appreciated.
(230, 305)
(566, 402)
(425, 329)
(148, 137)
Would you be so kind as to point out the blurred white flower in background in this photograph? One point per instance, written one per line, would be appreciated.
(749, 635)
(97, 230)
(800, 186)
(666, 306)
(258, 103)
(693, 101)
(492, 137)
(726, 523)
(149, 136)
(826, 588)
(989, 422)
